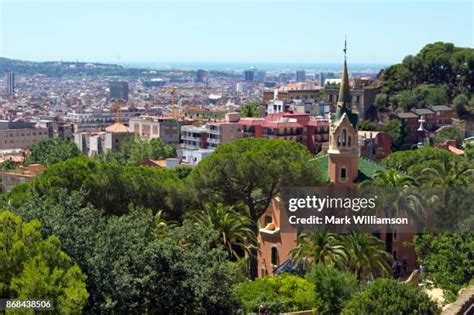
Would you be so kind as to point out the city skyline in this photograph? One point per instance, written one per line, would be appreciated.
(208, 31)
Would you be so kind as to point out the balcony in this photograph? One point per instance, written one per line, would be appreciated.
(190, 146)
(215, 141)
(191, 137)
(213, 131)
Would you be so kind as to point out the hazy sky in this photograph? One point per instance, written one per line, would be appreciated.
(229, 31)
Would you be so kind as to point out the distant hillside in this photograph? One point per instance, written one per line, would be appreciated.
(59, 68)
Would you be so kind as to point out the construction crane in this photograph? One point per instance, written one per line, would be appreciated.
(117, 106)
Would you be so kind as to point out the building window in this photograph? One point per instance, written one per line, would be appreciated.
(349, 141)
(275, 260)
(344, 135)
(268, 220)
(343, 173)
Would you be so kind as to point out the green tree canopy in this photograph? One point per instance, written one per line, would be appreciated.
(460, 105)
(111, 187)
(36, 268)
(51, 151)
(386, 296)
(134, 150)
(234, 229)
(448, 259)
(251, 171)
(394, 129)
(437, 63)
(278, 293)
(413, 162)
(366, 125)
(332, 288)
(129, 269)
(449, 133)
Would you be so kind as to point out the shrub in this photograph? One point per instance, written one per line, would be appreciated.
(447, 258)
(278, 293)
(387, 296)
(332, 288)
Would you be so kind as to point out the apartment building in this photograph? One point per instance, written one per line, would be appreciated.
(93, 143)
(302, 128)
(16, 134)
(150, 127)
(199, 142)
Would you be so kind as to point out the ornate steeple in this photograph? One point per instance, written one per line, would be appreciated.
(344, 101)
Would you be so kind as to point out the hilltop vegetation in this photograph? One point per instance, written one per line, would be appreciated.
(436, 75)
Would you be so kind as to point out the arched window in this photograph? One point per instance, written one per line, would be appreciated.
(344, 135)
(349, 141)
(338, 140)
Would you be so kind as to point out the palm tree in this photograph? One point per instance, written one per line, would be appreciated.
(390, 178)
(234, 229)
(396, 198)
(318, 247)
(445, 177)
(447, 173)
(366, 255)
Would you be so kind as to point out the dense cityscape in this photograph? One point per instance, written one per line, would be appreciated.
(213, 187)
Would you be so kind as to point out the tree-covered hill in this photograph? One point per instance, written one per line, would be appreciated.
(436, 75)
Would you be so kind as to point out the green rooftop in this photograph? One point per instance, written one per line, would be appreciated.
(367, 168)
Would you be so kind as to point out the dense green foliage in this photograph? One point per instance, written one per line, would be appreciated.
(8, 165)
(51, 151)
(129, 269)
(34, 268)
(448, 133)
(413, 162)
(358, 253)
(134, 150)
(463, 105)
(447, 258)
(366, 125)
(110, 186)
(332, 288)
(394, 129)
(250, 171)
(387, 296)
(279, 293)
(234, 229)
(421, 96)
(437, 74)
